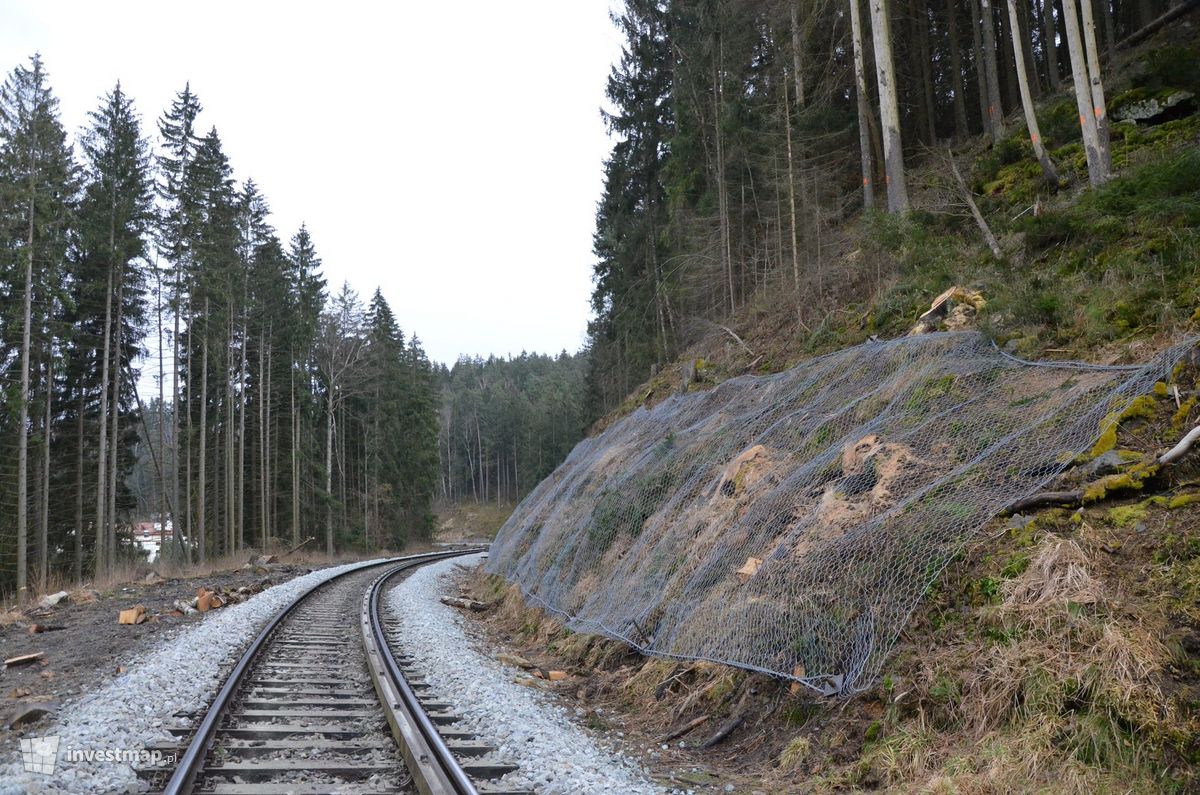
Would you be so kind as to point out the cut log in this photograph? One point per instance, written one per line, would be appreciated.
(52, 599)
(465, 604)
(134, 615)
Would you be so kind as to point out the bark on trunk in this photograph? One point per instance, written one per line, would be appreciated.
(995, 108)
(864, 125)
(889, 112)
(99, 561)
(113, 445)
(79, 528)
(981, 88)
(329, 473)
(201, 507)
(1097, 173)
(1050, 43)
(956, 77)
(1099, 107)
(1035, 136)
(44, 522)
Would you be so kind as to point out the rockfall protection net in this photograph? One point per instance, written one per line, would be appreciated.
(791, 523)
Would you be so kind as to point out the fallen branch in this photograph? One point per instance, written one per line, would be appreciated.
(1045, 499)
(305, 542)
(1154, 25)
(727, 729)
(974, 208)
(1059, 498)
(745, 347)
(1180, 450)
(687, 727)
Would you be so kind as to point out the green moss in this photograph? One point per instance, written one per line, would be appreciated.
(1133, 480)
(1160, 389)
(1185, 411)
(1142, 407)
(1127, 515)
(1183, 500)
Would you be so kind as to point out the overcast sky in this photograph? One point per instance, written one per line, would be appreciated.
(449, 153)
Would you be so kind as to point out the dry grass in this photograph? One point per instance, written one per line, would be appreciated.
(1057, 575)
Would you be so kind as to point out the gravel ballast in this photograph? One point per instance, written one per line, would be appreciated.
(555, 754)
(132, 710)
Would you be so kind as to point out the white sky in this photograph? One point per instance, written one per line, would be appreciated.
(449, 152)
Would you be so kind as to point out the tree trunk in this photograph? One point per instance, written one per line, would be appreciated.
(162, 438)
(1050, 44)
(329, 473)
(79, 528)
(980, 62)
(263, 391)
(928, 104)
(100, 563)
(176, 524)
(230, 412)
(201, 504)
(114, 443)
(1099, 108)
(787, 117)
(995, 108)
(241, 463)
(1012, 95)
(1097, 172)
(23, 422)
(797, 53)
(1110, 32)
(187, 410)
(295, 463)
(44, 522)
(722, 199)
(1035, 135)
(956, 77)
(893, 153)
(1031, 63)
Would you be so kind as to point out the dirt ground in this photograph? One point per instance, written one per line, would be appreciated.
(85, 645)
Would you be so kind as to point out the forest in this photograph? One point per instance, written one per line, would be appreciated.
(284, 410)
(507, 423)
(749, 132)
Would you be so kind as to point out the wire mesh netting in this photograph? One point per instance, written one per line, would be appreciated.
(791, 523)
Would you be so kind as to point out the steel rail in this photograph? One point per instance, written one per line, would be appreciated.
(434, 768)
(192, 764)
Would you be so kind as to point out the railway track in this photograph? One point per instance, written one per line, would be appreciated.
(319, 703)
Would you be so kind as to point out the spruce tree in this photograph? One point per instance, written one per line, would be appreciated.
(114, 220)
(37, 180)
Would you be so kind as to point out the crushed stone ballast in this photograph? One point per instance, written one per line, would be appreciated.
(317, 704)
(554, 754)
(268, 731)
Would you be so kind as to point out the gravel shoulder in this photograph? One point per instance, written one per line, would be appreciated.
(165, 667)
(529, 727)
(86, 646)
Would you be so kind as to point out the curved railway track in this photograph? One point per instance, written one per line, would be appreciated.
(319, 703)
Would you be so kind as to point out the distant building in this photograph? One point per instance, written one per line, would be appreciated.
(150, 536)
